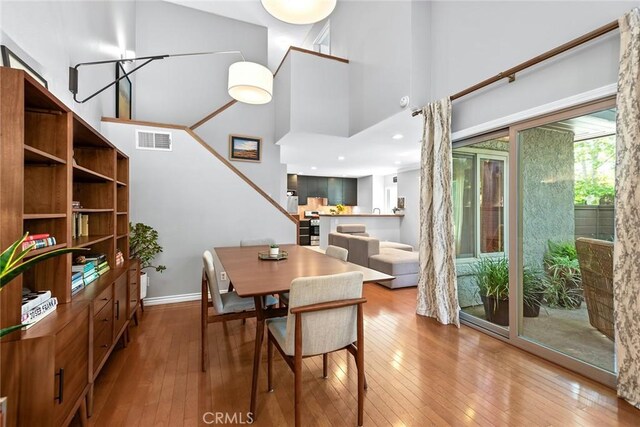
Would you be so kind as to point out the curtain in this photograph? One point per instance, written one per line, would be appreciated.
(437, 289)
(626, 252)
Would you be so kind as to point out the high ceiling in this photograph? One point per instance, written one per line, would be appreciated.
(281, 35)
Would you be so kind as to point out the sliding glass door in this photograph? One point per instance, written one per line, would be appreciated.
(534, 230)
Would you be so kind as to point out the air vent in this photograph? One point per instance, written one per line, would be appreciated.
(395, 179)
(153, 140)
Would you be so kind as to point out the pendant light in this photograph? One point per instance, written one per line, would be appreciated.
(250, 83)
(299, 12)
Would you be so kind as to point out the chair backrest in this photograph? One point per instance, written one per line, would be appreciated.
(264, 241)
(337, 252)
(327, 330)
(596, 268)
(210, 271)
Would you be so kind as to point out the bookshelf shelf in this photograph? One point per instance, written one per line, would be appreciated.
(122, 213)
(82, 174)
(84, 241)
(120, 236)
(121, 184)
(34, 156)
(44, 215)
(86, 210)
(41, 251)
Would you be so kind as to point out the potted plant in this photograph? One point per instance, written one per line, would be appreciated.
(143, 245)
(274, 251)
(563, 280)
(492, 279)
(533, 289)
(11, 266)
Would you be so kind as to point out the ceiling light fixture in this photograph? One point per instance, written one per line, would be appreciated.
(397, 136)
(313, 168)
(397, 162)
(300, 12)
(341, 158)
(248, 82)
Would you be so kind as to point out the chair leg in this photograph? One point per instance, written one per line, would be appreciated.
(297, 374)
(360, 364)
(269, 362)
(142, 305)
(204, 311)
(325, 362)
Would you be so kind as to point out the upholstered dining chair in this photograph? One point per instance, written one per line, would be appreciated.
(227, 306)
(337, 252)
(325, 315)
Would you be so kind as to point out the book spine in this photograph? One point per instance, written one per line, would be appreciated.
(36, 237)
(36, 312)
(42, 314)
(35, 302)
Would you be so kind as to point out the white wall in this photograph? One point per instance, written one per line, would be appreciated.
(409, 188)
(184, 90)
(472, 41)
(52, 36)
(196, 203)
(250, 120)
(365, 194)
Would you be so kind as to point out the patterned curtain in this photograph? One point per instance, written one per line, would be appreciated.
(626, 252)
(437, 289)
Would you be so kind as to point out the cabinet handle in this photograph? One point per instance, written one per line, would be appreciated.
(105, 346)
(105, 299)
(118, 310)
(60, 396)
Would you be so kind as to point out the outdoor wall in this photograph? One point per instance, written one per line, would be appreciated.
(472, 41)
(52, 36)
(196, 203)
(184, 90)
(547, 171)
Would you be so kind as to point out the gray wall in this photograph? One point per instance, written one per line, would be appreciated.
(365, 195)
(52, 36)
(409, 188)
(547, 170)
(196, 203)
(184, 90)
(472, 41)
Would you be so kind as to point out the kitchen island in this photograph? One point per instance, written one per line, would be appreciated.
(382, 227)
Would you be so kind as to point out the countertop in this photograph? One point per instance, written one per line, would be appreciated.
(364, 215)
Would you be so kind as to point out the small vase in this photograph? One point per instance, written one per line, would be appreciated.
(274, 252)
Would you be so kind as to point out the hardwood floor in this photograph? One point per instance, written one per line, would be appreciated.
(419, 373)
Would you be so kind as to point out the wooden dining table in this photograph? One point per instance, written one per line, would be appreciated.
(253, 277)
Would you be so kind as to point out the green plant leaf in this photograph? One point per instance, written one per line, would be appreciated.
(13, 272)
(7, 255)
(6, 331)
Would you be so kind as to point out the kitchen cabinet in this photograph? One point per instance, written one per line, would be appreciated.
(292, 182)
(302, 190)
(350, 191)
(335, 189)
(317, 186)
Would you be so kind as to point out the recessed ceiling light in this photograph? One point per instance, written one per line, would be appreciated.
(313, 168)
(340, 158)
(397, 162)
(397, 136)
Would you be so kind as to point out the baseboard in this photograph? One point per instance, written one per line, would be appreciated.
(171, 299)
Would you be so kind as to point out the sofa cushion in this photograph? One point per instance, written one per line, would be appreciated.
(396, 245)
(361, 249)
(351, 228)
(339, 239)
(395, 262)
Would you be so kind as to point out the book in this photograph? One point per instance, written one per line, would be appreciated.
(97, 258)
(34, 299)
(89, 279)
(83, 268)
(39, 243)
(35, 313)
(36, 237)
(84, 227)
(44, 312)
(103, 269)
(77, 286)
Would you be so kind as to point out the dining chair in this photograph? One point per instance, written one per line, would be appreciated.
(337, 252)
(334, 252)
(325, 315)
(227, 306)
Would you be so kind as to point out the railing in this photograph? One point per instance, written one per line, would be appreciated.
(595, 221)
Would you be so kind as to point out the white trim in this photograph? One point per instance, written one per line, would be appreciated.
(551, 107)
(171, 299)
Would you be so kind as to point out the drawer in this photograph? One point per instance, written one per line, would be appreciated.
(71, 366)
(102, 300)
(102, 335)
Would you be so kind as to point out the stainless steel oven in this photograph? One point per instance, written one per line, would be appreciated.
(314, 232)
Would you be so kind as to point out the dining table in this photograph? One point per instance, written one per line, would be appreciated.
(253, 277)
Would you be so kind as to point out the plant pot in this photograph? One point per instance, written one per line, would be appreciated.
(144, 283)
(495, 310)
(273, 252)
(532, 309)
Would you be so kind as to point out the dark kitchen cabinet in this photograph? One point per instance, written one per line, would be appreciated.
(302, 190)
(350, 191)
(335, 191)
(292, 182)
(317, 186)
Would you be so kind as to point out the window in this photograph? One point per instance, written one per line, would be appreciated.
(479, 190)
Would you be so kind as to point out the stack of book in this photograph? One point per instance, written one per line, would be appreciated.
(79, 225)
(119, 258)
(77, 282)
(88, 270)
(38, 241)
(100, 260)
(36, 306)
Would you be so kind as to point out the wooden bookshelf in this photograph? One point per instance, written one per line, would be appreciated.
(49, 157)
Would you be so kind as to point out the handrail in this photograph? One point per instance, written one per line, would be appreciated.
(212, 115)
(212, 151)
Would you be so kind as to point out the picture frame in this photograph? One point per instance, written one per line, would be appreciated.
(244, 148)
(124, 94)
(11, 60)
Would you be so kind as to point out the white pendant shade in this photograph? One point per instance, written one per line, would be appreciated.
(299, 12)
(250, 83)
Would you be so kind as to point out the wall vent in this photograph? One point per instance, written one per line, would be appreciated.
(395, 179)
(146, 140)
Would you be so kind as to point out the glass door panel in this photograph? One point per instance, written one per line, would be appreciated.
(566, 186)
